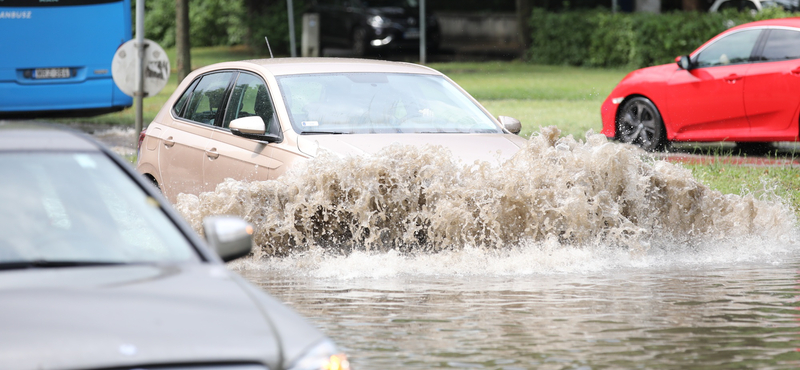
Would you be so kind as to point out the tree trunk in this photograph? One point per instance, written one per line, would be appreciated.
(523, 21)
(692, 5)
(184, 58)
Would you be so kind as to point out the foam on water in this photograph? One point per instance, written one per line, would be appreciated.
(557, 205)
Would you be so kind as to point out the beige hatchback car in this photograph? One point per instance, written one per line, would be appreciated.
(252, 120)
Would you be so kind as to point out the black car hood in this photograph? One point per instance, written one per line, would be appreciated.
(98, 317)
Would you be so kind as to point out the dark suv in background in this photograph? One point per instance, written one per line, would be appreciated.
(373, 26)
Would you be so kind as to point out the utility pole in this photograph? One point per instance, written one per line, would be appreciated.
(422, 32)
(290, 9)
(183, 57)
(139, 94)
(523, 20)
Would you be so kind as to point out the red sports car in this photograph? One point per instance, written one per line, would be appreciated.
(742, 85)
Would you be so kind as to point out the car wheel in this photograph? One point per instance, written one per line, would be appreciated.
(359, 42)
(639, 123)
(155, 183)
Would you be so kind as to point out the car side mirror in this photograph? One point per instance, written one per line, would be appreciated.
(252, 127)
(684, 62)
(231, 237)
(511, 124)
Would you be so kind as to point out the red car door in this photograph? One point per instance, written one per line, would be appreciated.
(772, 88)
(706, 103)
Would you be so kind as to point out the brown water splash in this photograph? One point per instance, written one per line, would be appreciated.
(424, 200)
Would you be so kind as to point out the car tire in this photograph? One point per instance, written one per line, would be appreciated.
(640, 123)
(359, 42)
(153, 180)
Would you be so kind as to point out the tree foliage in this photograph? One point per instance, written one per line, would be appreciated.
(599, 38)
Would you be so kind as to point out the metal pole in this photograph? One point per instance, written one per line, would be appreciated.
(139, 95)
(422, 32)
(290, 7)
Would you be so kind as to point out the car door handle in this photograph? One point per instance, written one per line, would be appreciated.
(212, 153)
(732, 78)
(796, 71)
(169, 142)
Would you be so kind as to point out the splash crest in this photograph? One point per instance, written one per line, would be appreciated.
(422, 200)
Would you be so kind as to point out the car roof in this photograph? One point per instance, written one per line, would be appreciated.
(34, 137)
(784, 22)
(292, 66)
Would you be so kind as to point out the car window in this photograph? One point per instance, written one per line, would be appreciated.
(782, 45)
(735, 48)
(380, 103)
(178, 108)
(250, 97)
(71, 207)
(208, 97)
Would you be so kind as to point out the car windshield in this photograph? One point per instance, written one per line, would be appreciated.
(80, 208)
(380, 103)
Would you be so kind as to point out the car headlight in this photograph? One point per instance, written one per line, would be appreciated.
(377, 21)
(322, 356)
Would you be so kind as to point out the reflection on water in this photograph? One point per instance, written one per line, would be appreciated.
(705, 316)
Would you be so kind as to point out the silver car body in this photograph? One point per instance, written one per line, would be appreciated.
(85, 314)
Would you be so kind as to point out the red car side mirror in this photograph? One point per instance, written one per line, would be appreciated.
(684, 62)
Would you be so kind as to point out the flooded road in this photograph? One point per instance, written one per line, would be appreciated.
(609, 260)
(732, 314)
(571, 255)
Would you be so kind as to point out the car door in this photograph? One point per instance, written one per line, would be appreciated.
(772, 87)
(237, 157)
(706, 103)
(187, 138)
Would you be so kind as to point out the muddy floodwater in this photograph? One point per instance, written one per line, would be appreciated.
(679, 314)
(574, 254)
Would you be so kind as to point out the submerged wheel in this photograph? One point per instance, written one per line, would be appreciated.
(153, 179)
(639, 123)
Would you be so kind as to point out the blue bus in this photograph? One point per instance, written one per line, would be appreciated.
(55, 56)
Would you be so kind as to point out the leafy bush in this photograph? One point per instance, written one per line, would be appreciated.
(599, 38)
(225, 22)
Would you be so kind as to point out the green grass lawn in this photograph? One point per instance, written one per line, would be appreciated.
(566, 97)
(538, 96)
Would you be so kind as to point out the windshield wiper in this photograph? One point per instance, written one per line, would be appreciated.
(321, 132)
(19, 265)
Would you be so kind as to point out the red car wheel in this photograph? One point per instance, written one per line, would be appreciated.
(639, 123)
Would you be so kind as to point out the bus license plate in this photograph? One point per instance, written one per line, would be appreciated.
(41, 73)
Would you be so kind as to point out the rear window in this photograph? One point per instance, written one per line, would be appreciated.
(782, 45)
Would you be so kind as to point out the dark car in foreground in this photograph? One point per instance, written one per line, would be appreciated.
(371, 26)
(741, 86)
(98, 272)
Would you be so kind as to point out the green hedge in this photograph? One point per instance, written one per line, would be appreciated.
(226, 22)
(599, 38)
